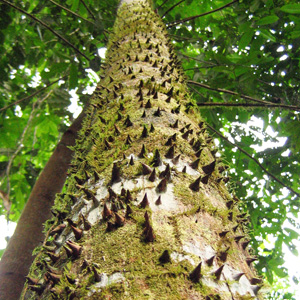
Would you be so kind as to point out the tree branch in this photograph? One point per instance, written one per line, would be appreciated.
(72, 12)
(197, 59)
(229, 92)
(172, 7)
(46, 26)
(20, 142)
(90, 12)
(254, 159)
(194, 90)
(198, 16)
(32, 95)
(273, 105)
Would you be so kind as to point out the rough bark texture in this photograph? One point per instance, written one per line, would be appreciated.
(17, 258)
(147, 214)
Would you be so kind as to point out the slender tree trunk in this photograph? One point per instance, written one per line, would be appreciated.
(146, 214)
(17, 258)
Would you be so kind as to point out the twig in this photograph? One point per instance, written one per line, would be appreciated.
(182, 38)
(46, 26)
(289, 107)
(198, 16)
(193, 89)
(32, 95)
(172, 7)
(199, 67)
(20, 146)
(162, 4)
(228, 92)
(197, 59)
(72, 12)
(254, 159)
(90, 12)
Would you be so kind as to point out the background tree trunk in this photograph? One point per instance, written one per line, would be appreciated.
(146, 214)
(17, 258)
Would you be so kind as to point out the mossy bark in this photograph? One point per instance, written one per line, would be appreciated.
(146, 213)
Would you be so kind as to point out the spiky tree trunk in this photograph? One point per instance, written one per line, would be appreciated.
(146, 214)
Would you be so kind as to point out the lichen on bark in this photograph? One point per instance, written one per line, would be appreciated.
(146, 213)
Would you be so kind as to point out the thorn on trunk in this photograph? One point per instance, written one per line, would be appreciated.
(86, 223)
(110, 226)
(145, 202)
(152, 128)
(106, 213)
(175, 160)
(204, 179)
(250, 260)
(170, 153)
(210, 261)
(129, 211)
(165, 257)
(152, 176)
(237, 276)
(129, 197)
(157, 113)
(128, 140)
(149, 234)
(116, 173)
(255, 281)
(145, 169)
(223, 255)
(166, 173)
(77, 232)
(76, 249)
(120, 221)
(194, 165)
(208, 169)
(198, 153)
(195, 186)
(218, 272)
(158, 201)
(143, 152)
(128, 122)
(131, 162)
(196, 274)
(245, 244)
(148, 104)
(117, 130)
(175, 125)
(162, 186)
(144, 132)
(97, 276)
(156, 162)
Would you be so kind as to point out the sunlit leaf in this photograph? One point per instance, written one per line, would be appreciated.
(291, 8)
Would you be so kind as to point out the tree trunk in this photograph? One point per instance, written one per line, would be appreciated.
(17, 258)
(146, 213)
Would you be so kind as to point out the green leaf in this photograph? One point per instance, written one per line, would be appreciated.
(267, 20)
(47, 127)
(266, 34)
(295, 34)
(291, 8)
(73, 79)
(255, 5)
(246, 38)
(280, 272)
(292, 233)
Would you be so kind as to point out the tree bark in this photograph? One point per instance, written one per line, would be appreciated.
(17, 258)
(146, 214)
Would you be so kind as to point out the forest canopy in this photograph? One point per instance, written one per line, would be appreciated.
(241, 60)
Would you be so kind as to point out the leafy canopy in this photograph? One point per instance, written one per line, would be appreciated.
(245, 55)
